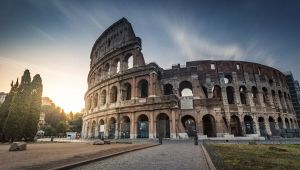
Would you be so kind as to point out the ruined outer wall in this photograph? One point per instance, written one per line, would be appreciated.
(123, 90)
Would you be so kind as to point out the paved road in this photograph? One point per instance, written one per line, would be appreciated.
(169, 156)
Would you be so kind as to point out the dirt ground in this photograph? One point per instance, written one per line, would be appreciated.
(53, 153)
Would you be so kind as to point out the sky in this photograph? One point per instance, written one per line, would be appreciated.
(54, 38)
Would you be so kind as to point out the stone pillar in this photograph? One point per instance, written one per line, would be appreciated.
(134, 88)
(173, 132)
(132, 126)
(250, 97)
(284, 103)
(152, 130)
(152, 79)
(237, 97)
(261, 98)
(242, 125)
(256, 123)
(276, 124)
(278, 101)
(106, 126)
(267, 125)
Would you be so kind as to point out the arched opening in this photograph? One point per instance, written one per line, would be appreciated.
(262, 126)
(113, 94)
(266, 96)
(255, 95)
(228, 79)
(99, 73)
(248, 124)
(87, 130)
(112, 128)
(95, 100)
(272, 126)
(168, 89)
(292, 123)
(143, 88)
(186, 88)
(125, 127)
(280, 123)
(101, 129)
(209, 125)
(106, 69)
(129, 61)
(217, 93)
(205, 91)
(93, 130)
(143, 127)
(287, 123)
(287, 102)
(235, 126)
(116, 66)
(103, 97)
(243, 94)
(275, 101)
(89, 103)
(230, 94)
(189, 125)
(126, 91)
(281, 101)
(271, 82)
(163, 126)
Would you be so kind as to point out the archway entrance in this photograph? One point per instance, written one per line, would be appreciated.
(287, 123)
(163, 126)
(209, 126)
(272, 125)
(101, 129)
(189, 125)
(93, 134)
(280, 124)
(112, 128)
(262, 127)
(125, 127)
(235, 126)
(143, 127)
(248, 124)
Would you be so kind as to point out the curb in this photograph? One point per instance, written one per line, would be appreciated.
(73, 165)
(208, 160)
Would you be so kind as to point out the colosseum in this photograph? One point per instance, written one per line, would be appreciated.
(127, 98)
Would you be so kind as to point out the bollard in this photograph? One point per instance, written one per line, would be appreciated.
(160, 140)
(196, 139)
(52, 138)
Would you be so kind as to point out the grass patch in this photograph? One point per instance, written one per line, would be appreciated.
(246, 157)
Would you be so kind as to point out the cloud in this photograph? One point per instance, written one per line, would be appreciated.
(43, 33)
(193, 46)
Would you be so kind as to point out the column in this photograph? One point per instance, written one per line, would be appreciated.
(151, 128)
(132, 126)
(134, 88)
(173, 132)
(255, 121)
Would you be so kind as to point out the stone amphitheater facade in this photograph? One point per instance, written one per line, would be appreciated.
(127, 98)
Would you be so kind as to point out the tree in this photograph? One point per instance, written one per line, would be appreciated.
(33, 115)
(4, 109)
(19, 109)
(61, 127)
(76, 123)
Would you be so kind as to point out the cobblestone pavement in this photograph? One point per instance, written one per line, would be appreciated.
(169, 156)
